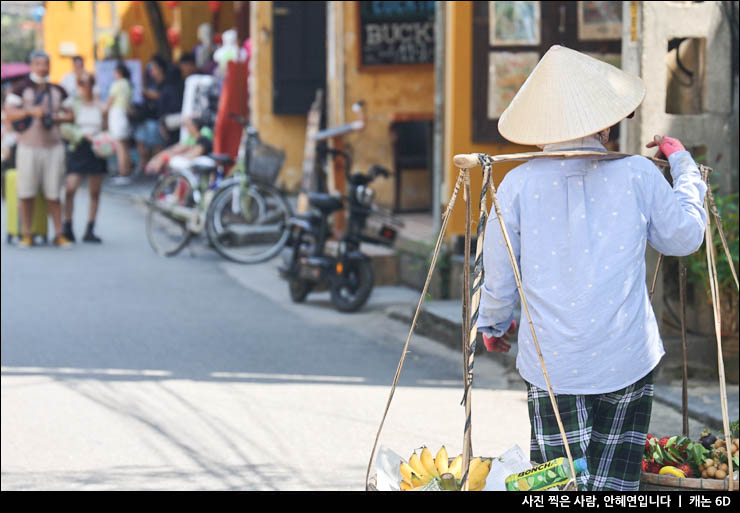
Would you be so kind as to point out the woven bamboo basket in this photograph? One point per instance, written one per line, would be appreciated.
(656, 482)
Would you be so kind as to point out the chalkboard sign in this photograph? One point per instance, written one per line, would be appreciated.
(396, 33)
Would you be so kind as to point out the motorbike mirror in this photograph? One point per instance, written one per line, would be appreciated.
(377, 170)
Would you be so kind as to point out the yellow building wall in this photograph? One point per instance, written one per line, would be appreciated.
(72, 22)
(386, 93)
(283, 131)
(65, 24)
(458, 131)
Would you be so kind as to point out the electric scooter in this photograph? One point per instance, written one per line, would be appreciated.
(348, 274)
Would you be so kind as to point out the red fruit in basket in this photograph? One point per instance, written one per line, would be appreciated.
(663, 441)
(647, 441)
(644, 466)
(654, 467)
(686, 469)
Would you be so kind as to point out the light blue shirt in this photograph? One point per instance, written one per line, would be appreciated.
(579, 229)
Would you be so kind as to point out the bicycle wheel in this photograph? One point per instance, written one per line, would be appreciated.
(171, 206)
(248, 225)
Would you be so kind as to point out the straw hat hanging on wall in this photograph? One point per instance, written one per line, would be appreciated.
(567, 96)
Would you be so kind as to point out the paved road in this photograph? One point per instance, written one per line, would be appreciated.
(125, 371)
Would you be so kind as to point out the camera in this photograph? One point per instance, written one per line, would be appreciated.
(47, 121)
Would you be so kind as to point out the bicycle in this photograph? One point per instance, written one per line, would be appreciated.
(178, 204)
(247, 221)
(245, 218)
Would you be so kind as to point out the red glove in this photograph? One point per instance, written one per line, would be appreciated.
(499, 344)
(666, 146)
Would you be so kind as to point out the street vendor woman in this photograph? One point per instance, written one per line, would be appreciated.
(579, 228)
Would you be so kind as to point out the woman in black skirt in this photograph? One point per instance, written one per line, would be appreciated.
(82, 161)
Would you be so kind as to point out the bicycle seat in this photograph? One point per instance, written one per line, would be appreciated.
(222, 158)
(326, 203)
(203, 165)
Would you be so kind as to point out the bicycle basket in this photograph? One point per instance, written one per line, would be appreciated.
(265, 162)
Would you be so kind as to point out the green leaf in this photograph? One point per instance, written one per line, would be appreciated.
(658, 455)
(673, 455)
(697, 453)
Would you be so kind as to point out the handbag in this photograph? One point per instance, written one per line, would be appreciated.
(23, 124)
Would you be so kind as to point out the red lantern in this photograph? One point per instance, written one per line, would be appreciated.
(136, 35)
(172, 5)
(214, 6)
(173, 36)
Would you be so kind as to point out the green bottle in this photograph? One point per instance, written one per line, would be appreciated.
(542, 477)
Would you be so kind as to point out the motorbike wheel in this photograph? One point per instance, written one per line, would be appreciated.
(299, 289)
(350, 291)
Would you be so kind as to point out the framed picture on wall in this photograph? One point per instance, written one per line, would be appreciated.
(599, 21)
(509, 38)
(507, 71)
(514, 23)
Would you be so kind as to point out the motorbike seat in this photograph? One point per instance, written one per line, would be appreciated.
(326, 203)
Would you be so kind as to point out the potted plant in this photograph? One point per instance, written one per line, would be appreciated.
(698, 274)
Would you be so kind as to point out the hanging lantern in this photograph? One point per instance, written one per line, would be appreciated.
(173, 36)
(214, 6)
(172, 5)
(136, 35)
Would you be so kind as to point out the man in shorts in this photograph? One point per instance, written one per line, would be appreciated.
(40, 156)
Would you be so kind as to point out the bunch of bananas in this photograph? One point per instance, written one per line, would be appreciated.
(423, 468)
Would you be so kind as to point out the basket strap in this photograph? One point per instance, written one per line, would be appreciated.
(525, 309)
(442, 232)
(469, 337)
(684, 347)
(718, 220)
(714, 288)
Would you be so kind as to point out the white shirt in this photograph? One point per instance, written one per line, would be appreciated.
(69, 83)
(579, 229)
(88, 116)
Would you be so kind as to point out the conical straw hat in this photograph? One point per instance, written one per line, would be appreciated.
(567, 96)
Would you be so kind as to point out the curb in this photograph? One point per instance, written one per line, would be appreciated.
(704, 407)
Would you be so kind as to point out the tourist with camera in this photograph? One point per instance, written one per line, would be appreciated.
(34, 107)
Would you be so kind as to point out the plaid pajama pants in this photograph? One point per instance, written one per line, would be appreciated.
(609, 430)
